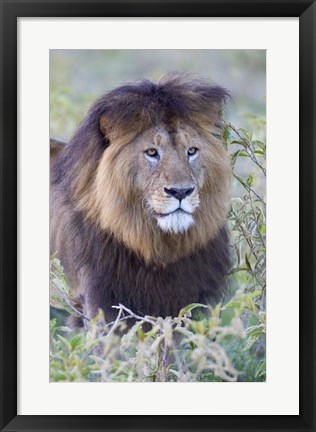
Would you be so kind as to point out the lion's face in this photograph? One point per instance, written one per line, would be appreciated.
(162, 193)
(170, 175)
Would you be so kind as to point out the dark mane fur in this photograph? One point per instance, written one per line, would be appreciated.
(117, 275)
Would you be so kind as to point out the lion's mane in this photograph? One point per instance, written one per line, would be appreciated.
(110, 253)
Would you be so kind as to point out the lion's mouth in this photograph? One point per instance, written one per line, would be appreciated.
(176, 221)
(178, 210)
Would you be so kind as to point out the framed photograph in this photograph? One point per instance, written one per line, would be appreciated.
(157, 216)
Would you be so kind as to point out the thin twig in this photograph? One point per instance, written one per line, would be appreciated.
(252, 249)
(133, 315)
(115, 322)
(258, 229)
(248, 188)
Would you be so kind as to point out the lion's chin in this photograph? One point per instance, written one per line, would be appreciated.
(176, 222)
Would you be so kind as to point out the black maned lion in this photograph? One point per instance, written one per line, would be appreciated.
(139, 199)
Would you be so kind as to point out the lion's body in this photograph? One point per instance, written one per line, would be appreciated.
(139, 199)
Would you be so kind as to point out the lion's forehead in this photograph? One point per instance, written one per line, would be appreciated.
(170, 137)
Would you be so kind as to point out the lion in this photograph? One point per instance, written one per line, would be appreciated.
(139, 199)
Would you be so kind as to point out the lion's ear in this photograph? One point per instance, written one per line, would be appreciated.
(103, 125)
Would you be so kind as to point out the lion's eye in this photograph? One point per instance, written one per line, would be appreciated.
(192, 151)
(152, 152)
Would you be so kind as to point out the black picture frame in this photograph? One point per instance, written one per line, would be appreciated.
(10, 11)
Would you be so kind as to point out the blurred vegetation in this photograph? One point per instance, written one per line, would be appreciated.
(78, 77)
(228, 343)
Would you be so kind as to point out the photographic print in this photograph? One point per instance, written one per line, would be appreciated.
(157, 215)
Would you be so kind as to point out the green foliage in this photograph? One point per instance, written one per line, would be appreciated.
(226, 344)
(247, 226)
(178, 349)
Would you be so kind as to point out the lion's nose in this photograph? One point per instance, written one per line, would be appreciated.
(180, 194)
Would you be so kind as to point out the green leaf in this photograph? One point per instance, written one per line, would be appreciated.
(249, 180)
(232, 304)
(256, 330)
(246, 133)
(262, 228)
(190, 307)
(59, 377)
(75, 340)
(234, 156)
(226, 133)
(259, 144)
(261, 369)
(248, 262)
(259, 152)
(65, 342)
(238, 269)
